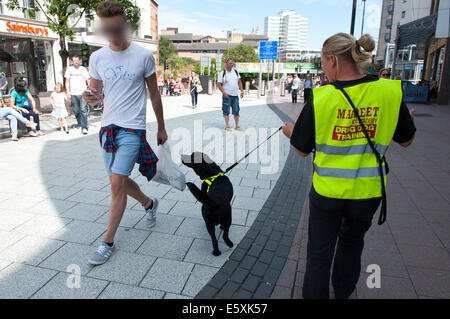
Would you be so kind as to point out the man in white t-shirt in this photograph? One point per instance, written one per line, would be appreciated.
(125, 70)
(77, 78)
(229, 83)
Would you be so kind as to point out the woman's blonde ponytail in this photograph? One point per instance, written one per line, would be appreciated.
(346, 46)
(367, 43)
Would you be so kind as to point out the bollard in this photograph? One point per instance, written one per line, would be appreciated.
(210, 87)
(263, 88)
(283, 88)
(247, 88)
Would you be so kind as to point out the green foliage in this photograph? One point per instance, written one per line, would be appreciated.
(240, 53)
(166, 50)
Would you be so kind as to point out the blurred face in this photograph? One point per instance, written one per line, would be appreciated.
(58, 88)
(115, 29)
(76, 61)
(229, 64)
(386, 74)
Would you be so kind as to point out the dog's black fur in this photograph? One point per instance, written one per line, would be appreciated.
(216, 209)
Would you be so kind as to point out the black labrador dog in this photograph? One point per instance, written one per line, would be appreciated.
(215, 195)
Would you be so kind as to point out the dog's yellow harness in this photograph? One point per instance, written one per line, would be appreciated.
(210, 180)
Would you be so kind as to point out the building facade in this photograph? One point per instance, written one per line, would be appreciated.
(194, 47)
(395, 13)
(290, 30)
(30, 50)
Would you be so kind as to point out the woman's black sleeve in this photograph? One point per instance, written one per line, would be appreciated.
(303, 137)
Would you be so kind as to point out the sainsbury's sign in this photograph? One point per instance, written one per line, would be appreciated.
(40, 31)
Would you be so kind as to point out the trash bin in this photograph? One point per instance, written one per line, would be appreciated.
(283, 88)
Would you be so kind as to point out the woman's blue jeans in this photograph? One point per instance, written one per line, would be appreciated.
(12, 115)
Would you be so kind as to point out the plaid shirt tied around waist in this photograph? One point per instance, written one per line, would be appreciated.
(147, 158)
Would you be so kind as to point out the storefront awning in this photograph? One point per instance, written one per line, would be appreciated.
(418, 32)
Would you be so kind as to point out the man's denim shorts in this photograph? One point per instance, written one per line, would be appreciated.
(233, 102)
(122, 162)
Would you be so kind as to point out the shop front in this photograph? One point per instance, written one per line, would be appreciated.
(27, 51)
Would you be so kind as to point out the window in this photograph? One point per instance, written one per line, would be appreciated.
(29, 11)
(1, 6)
(403, 14)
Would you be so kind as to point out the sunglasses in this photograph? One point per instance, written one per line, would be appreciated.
(386, 74)
(113, 30)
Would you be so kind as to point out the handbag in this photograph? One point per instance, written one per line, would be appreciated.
(380, 158)
(25, 104)
(199, 87)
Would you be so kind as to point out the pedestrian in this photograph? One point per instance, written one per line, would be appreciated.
(13, 116)
(347, 188)
(295, 88)
(3, 84)
(229, 83)
(77, 78)
(289, 83)
(308, 85)
(161, 85)
(194, 87)
(22, 100)
(123, 132)
(58, 100)
(385, 73)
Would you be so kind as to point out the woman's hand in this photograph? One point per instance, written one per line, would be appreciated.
(288, 128)
(36, 111)
(24, 110)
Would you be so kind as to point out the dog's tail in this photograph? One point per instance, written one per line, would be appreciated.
(200, 196)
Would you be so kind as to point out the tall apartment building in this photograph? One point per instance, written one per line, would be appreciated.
(290, 30)
(395, 13)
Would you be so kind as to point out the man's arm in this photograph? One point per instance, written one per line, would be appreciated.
(219, 85)
(96, 87)
(241, 87)
(5, 85)
(155, 98)
(68, 88)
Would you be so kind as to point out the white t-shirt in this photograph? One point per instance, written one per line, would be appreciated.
(123, 74)
(230, 82)
(296, 84)
(59, 99)
(77, 79)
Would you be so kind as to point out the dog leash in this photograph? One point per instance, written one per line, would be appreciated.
(248, 154)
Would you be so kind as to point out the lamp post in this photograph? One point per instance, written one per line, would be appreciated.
(363, 16)
(352, 26)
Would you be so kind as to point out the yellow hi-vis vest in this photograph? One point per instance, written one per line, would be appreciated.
(345, 166)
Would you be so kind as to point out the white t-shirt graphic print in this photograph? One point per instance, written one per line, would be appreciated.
(123, 75)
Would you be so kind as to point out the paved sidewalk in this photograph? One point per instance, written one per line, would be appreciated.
(412, 248)
(54, 199)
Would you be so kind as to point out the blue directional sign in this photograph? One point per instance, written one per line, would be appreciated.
(268, 50)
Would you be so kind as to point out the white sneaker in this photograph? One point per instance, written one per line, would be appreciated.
(84, 131)
(102, 254)
(151, 214)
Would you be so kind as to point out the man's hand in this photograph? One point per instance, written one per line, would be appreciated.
(162, 136)
(242, 94)
(288, 128)
(92, 100)
(225, 95)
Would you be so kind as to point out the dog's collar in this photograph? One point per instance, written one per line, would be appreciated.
(210, 180)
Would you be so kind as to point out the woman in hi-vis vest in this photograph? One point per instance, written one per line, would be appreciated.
(337, 123)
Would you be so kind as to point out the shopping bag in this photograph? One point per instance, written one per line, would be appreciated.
(167, 171)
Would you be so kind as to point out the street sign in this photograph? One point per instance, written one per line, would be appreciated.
(268, 50)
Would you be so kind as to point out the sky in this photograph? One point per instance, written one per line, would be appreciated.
(214, 17)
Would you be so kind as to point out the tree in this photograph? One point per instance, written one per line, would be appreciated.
(166, 50)
(240, 53)
(63, 15)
